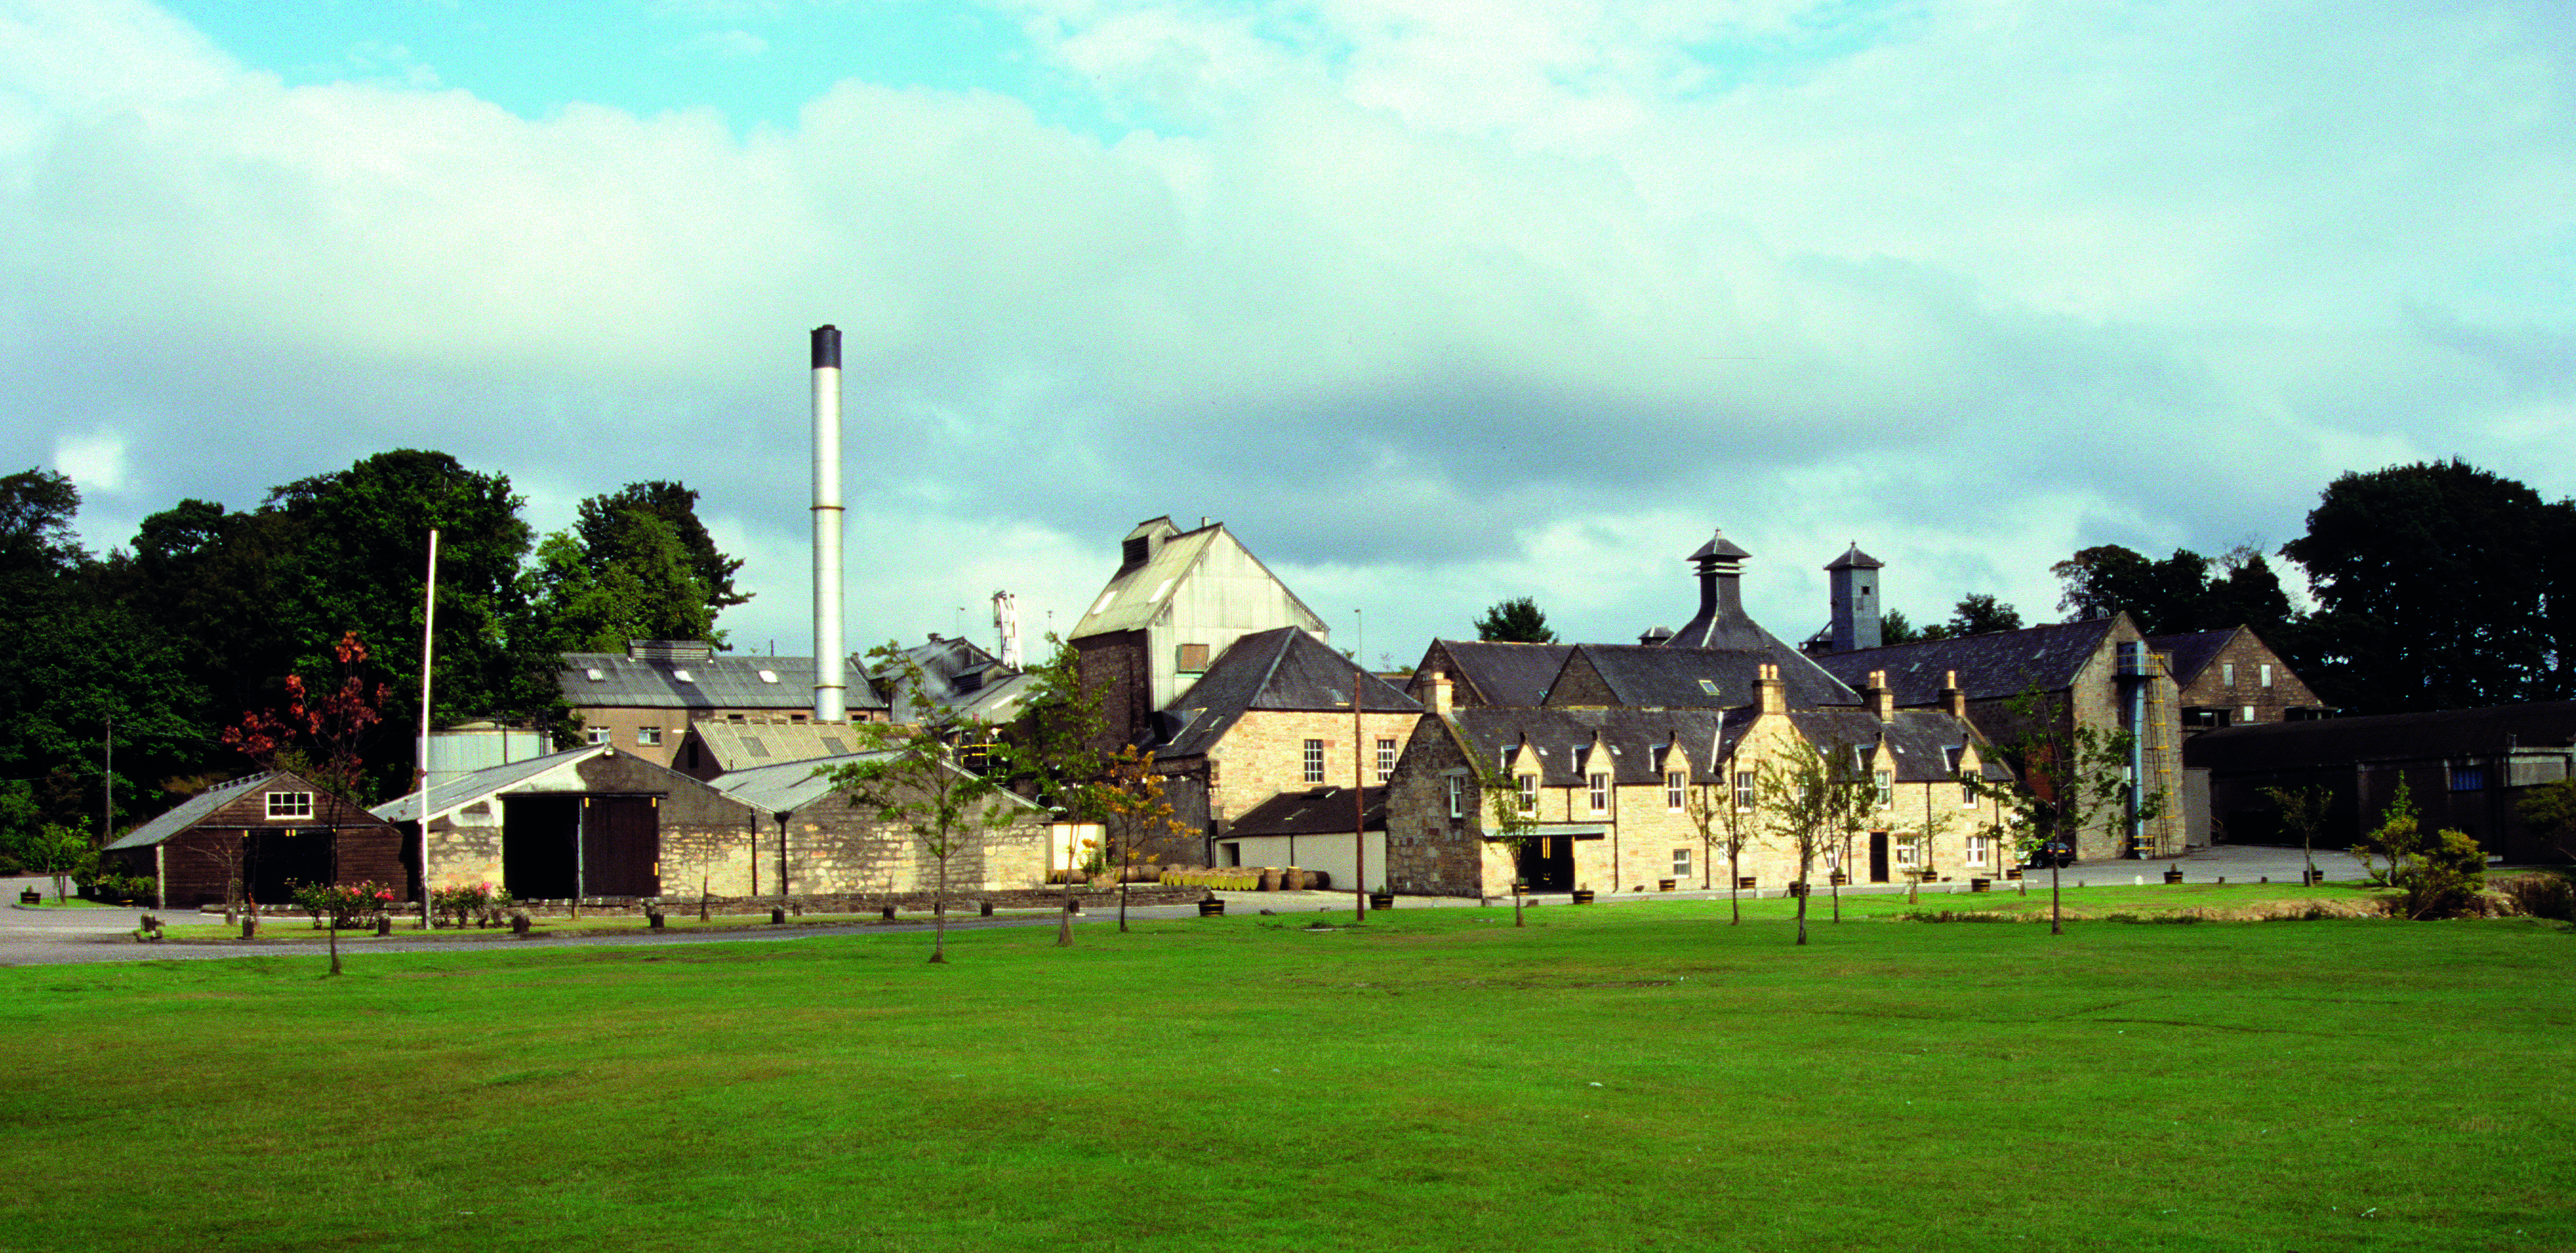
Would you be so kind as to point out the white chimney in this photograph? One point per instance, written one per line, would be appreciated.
(830, 687)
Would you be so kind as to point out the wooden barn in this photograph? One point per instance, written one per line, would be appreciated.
(272, 832)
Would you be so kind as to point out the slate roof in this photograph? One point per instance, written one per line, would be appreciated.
(1635, 739)
(2191, 654)
(2384, 737)
(1499, 673)
(1656, 676)
(1282, 668)
(721, 681)
(201, 806)
(957, 674)
(446, 795)
(1316, 811)
(1924, 742)
(1994, 665)
(1854, 559)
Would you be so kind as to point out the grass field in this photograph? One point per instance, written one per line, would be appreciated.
(1608, 1078)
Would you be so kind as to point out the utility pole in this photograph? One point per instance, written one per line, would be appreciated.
(428, 623)
(1359, 777)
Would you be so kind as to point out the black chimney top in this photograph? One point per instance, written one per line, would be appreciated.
(827, 348)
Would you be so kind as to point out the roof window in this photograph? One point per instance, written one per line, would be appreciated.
(594, 675)
(768, 676)
(683, 676)
(839, 746)
(1709, 686)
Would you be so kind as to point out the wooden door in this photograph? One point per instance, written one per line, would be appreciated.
(1878, 857)
(621, 845)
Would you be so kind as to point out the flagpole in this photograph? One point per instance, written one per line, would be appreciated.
(428, 622)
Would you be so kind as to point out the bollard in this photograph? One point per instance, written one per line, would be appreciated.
(889, 913)
(250, 925)
(384, 924)
(778, 915)
(653, 919)
(988, 909)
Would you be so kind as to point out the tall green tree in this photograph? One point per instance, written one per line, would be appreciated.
(1515, 621)
(1052, 752)
(2438, 586)
(1976, 614)
(607, 527)
(645, 587)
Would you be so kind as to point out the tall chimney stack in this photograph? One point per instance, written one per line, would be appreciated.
(831, 690)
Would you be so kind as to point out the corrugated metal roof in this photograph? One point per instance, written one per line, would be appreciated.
(793, 785)
(446, 796)
(738, 746)
(1137, 593)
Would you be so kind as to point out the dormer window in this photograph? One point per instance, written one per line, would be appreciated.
(290, 804)
(1134, 551)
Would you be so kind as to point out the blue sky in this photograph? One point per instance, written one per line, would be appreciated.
(1435, 303)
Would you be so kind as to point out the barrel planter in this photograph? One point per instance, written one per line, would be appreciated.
(2315, 877)
(2013, 875)
(1663, 885)
(1212, 907)
(2173, 876)
(1745, 883)
(1839, 879)
(1981, 885)
(1381, 900)
(1582, 896)
(30, 896)
(1798, 889)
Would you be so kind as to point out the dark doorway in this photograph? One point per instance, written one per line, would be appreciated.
(1878, 857)
(2253, 826)
(281, 861)
(537, 850)
(621, 845)
(1546, 863)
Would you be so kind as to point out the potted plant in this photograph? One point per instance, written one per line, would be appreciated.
(1583, 895)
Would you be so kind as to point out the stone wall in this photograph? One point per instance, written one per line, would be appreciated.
(1264, 754)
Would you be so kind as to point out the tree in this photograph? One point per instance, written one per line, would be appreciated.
(1052, 751)
(1515, 621)
(2436, 876)
(607, 522)
(57, 850)
(2073, 776)
(2550, 809)
(2438, 586)
(1722, 824)
(1805, 802)
(2303, 811)
(1977, 614)
(1893, 628)
(1513, 825)
(1138, 819)
(912, 780)
(333, 728)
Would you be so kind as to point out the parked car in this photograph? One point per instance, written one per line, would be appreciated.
(2053, 853)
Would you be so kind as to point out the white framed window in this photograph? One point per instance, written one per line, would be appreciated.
(1314, 761)
(2227, 673)
(1905, 850)
(1674, 780)
(648, 736)
(1681, 863)
(290, 804)
(1885, 781)
(1976, 850)
(1385, 759)
(1967, 792)
(1529, 794)
(2267, 674)
(598, 735)
(1600, 793)
(1744, 791)
(1833, 857)
(1457, 797)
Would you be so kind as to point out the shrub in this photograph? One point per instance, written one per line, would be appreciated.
(2436, 876)
(343, 903)
(466, 905)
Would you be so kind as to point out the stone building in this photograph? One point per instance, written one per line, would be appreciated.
(2230, 677)
(1271, 716)
(2101, 674)
(818, 843)
(1627, 798)
(642, 702)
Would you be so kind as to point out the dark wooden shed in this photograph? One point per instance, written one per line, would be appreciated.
(274, 832)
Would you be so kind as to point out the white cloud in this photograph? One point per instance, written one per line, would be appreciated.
(1437, 303)
(95, 461)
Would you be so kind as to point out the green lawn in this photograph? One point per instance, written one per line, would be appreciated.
(1608, 1078)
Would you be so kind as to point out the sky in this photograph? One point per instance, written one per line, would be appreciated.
(1433, 302)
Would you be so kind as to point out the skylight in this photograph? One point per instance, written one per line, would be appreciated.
(683, 676)
(594, 675)
(769, 676)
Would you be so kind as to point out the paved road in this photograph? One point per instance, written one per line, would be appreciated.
(42, 936)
